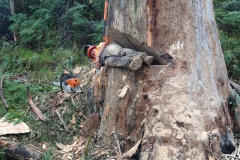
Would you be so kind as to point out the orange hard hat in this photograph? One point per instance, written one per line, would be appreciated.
(88, 49)
(89, 52)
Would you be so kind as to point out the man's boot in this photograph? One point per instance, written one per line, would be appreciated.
(143, 54)
(135, 62)
(148, 60)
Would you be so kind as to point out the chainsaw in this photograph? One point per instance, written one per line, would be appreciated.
(69, 84)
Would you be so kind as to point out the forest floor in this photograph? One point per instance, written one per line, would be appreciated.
(60, 134)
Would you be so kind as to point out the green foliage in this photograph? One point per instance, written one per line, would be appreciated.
(58, 23)
(231, 49)
(15, 117)
(15, 92)
(2, 155)
(48, 155)
(228, 21)
(233, 5)
(95, 36)
(21, 59)
(49, 34)
(233, 101)
(32, 30)
(38, 71)
(3, 3)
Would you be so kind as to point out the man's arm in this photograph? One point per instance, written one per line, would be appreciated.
(102, 46)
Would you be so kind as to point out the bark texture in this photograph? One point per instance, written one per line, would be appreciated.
(12, 6)
(182, 109)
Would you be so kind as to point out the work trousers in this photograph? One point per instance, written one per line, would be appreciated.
(116, 56)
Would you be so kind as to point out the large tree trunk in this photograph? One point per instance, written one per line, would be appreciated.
(181, 109)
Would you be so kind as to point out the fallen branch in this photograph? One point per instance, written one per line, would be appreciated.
(80, 113)
(231, 156)
(235, 86)
(34, 107)
(63, 123)
(2, 95)
(84, 101)
(130, 152)
(116, 138)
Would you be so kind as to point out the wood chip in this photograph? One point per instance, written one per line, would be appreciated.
(123, 91)
(133, 150)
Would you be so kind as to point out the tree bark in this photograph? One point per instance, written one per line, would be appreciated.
(183, 108)
(12, 4)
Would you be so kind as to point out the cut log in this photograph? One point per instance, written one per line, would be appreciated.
(14, 151)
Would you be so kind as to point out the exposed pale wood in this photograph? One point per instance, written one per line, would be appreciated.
(11, 128)
(123, 91)
(132, 150)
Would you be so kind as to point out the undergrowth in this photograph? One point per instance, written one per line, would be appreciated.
(22, 68)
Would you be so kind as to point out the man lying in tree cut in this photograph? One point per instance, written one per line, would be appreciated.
(112, 54)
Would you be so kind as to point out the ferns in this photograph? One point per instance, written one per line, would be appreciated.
(55, 24)
(231, 50)
(228, 21)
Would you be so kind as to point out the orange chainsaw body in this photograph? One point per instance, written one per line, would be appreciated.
(73, 82)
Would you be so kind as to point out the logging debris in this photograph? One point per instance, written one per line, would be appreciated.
(34, 107)
(59, 104)
(15, 151)
(235, 86)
